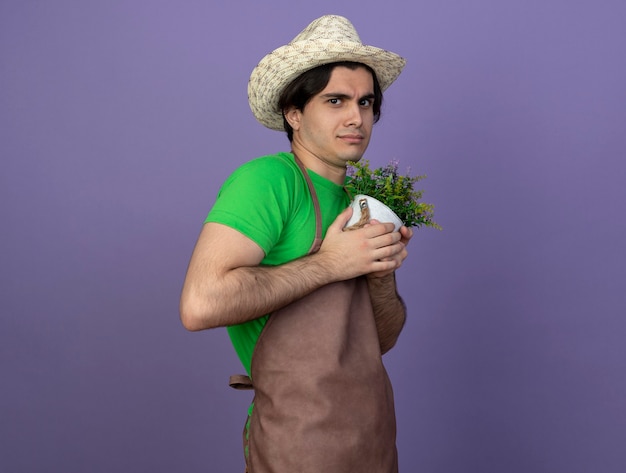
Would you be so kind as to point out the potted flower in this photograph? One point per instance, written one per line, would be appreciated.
(387, 196)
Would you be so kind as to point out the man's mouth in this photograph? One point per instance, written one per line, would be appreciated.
(352, 138)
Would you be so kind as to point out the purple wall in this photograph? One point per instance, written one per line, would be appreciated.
(118, 122)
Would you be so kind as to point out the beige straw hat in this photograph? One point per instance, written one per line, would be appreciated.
(330, 38)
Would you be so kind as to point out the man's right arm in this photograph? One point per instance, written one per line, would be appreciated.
(225, 284)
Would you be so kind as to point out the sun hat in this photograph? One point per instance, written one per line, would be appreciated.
(328, 39)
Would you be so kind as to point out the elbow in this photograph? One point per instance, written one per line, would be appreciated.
(190, 322)
(188, 318)
(193, 317)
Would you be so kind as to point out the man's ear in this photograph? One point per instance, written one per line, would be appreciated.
(293, 116)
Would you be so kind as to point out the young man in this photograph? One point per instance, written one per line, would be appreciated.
(309, 307)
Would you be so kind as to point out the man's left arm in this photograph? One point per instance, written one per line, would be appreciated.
(389, 308)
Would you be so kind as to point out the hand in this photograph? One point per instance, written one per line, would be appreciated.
(373, 249)
(405, 236)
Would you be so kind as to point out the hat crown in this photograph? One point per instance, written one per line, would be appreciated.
(329, 27)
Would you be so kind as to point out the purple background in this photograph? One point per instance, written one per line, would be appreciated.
(120, 119)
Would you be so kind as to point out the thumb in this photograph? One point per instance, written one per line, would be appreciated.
(340, 221)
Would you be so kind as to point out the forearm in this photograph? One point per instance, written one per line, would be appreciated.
(226, 285)
(246, 293)
(389, 310)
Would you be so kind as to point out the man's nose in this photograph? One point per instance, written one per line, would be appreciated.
(354, 117)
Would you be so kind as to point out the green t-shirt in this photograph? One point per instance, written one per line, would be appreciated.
(268, 201)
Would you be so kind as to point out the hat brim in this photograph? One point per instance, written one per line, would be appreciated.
(280, 67)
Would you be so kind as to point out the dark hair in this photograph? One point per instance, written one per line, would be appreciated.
(298, 93)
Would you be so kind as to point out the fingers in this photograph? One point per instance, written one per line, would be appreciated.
(375, 228)
(381, 240)
(395, 253)
(385, 267)
(393, 262)
(407, 234)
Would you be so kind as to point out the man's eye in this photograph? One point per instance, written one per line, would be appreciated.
(366, 103)
(335, 101)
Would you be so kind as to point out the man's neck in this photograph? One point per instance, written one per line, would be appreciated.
(319, 165)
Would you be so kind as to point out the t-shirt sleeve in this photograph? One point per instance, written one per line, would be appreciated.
(255, 200)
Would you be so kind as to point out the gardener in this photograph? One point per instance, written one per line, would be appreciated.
(273, 244)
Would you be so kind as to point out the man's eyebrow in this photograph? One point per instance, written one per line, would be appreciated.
(340, 95)
(335, 95)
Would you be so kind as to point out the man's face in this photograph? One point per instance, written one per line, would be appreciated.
(336, 124)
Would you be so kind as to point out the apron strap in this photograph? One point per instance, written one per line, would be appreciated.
(317, 242)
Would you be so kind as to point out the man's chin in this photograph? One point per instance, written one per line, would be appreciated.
(354, 155)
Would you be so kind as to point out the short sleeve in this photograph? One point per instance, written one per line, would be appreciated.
(255, 200)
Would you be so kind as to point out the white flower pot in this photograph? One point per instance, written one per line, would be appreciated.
(378, 211)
